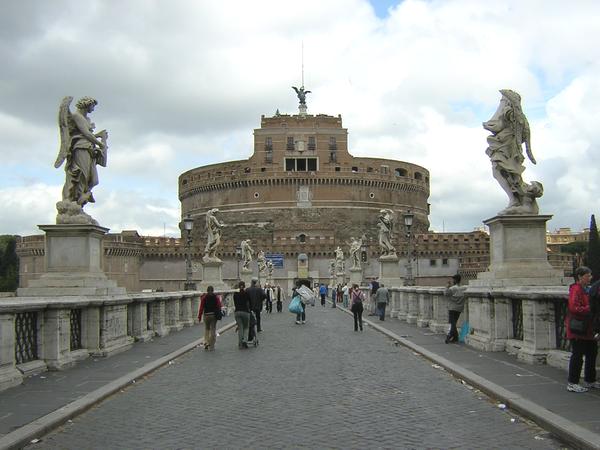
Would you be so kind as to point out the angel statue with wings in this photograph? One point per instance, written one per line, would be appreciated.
(301, 93)
(81, 148)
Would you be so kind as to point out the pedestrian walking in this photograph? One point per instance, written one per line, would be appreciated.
(279, 299)
(374, 285)
(241, 301)
(345, 295)
(357, 298)
(382, 298)
(257, 297)
(579, 330)
(333, 296)
(455, 294)
(269, 300)
(210, 304)
(301, 316)
(323, 293)
(339, 293)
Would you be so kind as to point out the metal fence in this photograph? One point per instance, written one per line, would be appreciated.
(26, 337)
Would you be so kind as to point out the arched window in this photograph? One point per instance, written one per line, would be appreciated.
(400, 172)
(418, 176)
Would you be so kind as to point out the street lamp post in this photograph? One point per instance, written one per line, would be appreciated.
(188, 225)
(408, 221)
(238, 255)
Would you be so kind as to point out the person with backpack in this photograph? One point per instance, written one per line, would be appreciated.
(323, 293)
(580, 332)
(257, 297)
(356, 300)
(210, 307)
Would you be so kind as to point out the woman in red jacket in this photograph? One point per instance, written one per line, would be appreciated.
(582, 341)
(209, 304)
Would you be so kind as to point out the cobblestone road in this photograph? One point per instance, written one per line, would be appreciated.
(318, 385)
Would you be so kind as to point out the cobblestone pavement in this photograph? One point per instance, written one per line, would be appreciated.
(318, 385)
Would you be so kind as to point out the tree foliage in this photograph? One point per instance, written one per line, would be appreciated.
(593, 252)
(9, 264)
(575, 247)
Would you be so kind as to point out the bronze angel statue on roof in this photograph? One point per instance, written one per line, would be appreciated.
(80, 149)
(301, 94)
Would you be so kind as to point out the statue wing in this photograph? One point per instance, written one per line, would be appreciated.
(296, 89)
(527, 140)
(64, 115)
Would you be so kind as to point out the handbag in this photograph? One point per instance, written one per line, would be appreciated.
(219, 314)
(578, 326)
(295, 307)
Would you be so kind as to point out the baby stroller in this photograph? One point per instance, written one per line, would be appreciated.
(252, 335)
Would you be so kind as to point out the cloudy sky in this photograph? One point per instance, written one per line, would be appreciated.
(183, 83)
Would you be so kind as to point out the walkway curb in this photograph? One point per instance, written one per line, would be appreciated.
(566, 430)
(39, 427)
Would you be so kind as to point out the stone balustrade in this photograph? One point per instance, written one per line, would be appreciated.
(526, 322)
(53, 333)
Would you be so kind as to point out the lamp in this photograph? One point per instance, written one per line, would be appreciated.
(188, 226)
(408, 221)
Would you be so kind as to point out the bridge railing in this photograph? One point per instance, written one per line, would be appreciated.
(526, 322)
(53, 333)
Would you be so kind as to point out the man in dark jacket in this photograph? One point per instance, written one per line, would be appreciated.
(257, 296)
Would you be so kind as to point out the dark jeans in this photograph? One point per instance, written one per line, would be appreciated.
(257, 314)
(322, 299)
(357, 312)
(381, 310)
(581, 348)
(302, 315)
(279, 305)
(269, 306)
(453, 318)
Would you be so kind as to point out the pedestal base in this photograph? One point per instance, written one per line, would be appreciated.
(246, 276)
(211, 276)
(356, 276)
(518, 254)
(73, 256)
(340, 278)
(389, 271)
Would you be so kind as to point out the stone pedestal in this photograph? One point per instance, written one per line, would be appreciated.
(211, 275)
(246, 276)
(518, 253)
(340, 278)
(73, 256)
(356, 275)
(389, 271)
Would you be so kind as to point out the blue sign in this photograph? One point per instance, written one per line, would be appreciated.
(276, 259)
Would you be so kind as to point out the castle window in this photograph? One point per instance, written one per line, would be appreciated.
(268, 144)
(184, 182)
(300, 164)
(263, 169)
(418, 176)
(433, 262)
(445, 262)
(385, 170)
(256, 195)
(301, 238)
(247, 170)
(371, 195)
(400, 172)
(332, 143)
(369, 169)
(290, 144)
(354, 169)
(311, 143)
(338, 168)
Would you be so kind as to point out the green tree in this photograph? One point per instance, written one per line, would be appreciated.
(574, 248)
(9, 264)
(593, 252)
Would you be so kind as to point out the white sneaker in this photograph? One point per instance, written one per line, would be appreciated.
(298, 322)
(594, 385)
(304, 321)
(572, 387)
